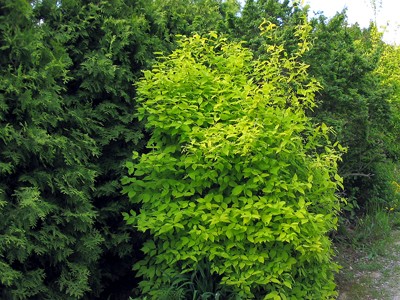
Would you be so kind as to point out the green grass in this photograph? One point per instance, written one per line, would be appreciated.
(369, 253)
(371, 233)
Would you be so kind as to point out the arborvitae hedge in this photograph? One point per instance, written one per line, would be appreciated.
(67, 126)
(49, 245)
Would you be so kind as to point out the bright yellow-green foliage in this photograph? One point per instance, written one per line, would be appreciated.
(389, 65)
(389, 70)
(236, 173)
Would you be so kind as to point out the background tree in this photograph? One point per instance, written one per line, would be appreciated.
(389, 72)
(286, 15)
(353, 101)
(183, 17)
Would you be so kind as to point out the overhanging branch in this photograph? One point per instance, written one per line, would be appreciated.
(358, 175)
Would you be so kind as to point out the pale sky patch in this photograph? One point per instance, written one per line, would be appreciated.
(361, 12)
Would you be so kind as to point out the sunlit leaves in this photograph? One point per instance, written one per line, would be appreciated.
(236, 173)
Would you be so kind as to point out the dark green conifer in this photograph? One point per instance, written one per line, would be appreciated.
(353, 101)
(49, 243)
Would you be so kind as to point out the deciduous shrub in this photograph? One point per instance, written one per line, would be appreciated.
(236, 174)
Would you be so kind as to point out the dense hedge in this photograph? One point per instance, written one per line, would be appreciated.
(65, 108)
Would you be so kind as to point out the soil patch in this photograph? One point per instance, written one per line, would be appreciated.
(369, 276)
